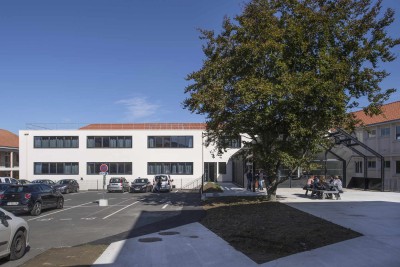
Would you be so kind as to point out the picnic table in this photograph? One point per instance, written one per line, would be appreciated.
(324, 192)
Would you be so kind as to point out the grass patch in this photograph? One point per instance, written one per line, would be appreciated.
(211, 187)
(265, 231)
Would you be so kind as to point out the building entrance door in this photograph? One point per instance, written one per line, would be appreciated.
(210, 171)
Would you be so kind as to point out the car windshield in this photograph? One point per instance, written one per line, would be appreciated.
(115, 180)
(4, 187)
(63, 182)
(141, 181)
(163, 178)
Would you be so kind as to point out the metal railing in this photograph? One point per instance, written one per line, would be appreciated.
(193, 185)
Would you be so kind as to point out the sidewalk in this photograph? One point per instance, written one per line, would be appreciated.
(374, 214)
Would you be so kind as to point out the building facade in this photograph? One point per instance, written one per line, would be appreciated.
(9, 155)
(129, 150)
(372, 153)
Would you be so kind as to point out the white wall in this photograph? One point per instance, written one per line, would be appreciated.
(139, 155)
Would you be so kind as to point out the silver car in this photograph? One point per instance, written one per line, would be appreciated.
(118, 184)
(14, 233)
(162, 183)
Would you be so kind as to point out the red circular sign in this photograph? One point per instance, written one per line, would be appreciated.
(103, 168)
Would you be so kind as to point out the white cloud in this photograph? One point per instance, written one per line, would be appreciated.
(138, 108)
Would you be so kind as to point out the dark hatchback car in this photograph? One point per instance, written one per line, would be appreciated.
(67, 186)
(141, 185)
(31, 198)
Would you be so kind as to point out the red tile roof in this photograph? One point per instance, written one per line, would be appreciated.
(8, 139)
(146, 126)
(390, 112)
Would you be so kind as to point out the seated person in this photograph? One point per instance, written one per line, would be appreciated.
(338, 184)
(316, 185)
(310, 182)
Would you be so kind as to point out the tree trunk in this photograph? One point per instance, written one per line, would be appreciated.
(271, 192)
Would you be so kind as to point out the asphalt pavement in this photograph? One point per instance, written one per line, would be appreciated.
(374, 214)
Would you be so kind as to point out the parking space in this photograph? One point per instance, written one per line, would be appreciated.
(82, 220)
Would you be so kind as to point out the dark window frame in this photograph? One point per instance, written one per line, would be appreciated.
(93, 168)
(52, 168)
(358, 167)
(221, 167)
(170, 141)
(387, 164)
(109, 142)
(371, 164)
(175, 168)
(53, 142)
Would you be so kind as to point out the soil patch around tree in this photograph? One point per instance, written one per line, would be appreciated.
(265, 231)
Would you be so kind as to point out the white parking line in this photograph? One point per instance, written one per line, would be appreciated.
(120, 210)
(68, 219)
(166, 205)
(59, 211)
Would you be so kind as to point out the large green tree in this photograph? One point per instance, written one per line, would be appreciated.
(285, 72)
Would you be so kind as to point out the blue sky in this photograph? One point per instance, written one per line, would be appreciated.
(97, 61)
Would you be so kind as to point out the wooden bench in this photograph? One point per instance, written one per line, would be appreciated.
(324, 193)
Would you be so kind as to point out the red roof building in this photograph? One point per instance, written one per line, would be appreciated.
(390, 112)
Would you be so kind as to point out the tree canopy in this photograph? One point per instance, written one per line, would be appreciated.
(284, 72)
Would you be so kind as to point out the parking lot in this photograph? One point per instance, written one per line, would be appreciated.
(82, 220)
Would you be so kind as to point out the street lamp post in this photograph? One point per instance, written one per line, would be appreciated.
(202, 165)
(26, 155)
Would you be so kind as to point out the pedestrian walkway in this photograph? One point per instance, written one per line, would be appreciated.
(374, 214)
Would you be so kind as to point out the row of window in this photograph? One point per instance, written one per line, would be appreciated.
(372, 165)
(170, 141)
(56, 142)
(109, 142)
(121, 142)
(385, 132)
(182, 168)
(114, 168)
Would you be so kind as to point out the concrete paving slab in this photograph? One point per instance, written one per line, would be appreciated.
(188, 245)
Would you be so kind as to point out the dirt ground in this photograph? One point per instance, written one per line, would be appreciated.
(266, 231)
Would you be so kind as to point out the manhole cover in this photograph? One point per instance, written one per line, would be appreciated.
(168, 233)
(193, 236)
(150, 239)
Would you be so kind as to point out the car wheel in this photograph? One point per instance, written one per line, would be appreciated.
(60, 203)
(18, 246)
(37, 209)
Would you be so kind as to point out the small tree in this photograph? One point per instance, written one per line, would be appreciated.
(286, 71)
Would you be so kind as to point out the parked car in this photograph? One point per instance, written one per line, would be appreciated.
(14, 235)
(67, 185)
(118, 184)
(23, 181)
(31, 198)
(44, 181)
(162, 183)
(8, 180)
(141, 185)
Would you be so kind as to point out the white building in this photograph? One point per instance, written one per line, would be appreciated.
(378, 155)
(129, 150)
